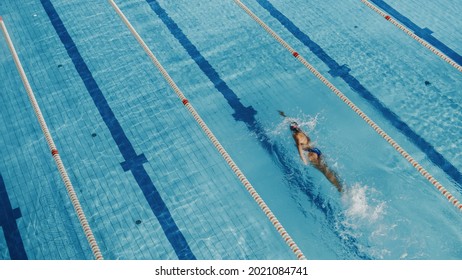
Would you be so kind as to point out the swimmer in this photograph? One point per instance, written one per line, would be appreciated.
(313, 155)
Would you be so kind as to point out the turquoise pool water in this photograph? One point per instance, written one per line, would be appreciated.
(150, 181)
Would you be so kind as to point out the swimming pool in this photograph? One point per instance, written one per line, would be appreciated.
(151, 183)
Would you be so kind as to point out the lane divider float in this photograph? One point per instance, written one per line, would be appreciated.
(54, 151)
(356, 109)
(413, 35)
(293, 246)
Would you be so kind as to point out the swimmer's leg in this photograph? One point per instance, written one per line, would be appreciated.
(330, 175)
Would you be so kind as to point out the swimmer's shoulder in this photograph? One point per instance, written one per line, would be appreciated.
(300, 137)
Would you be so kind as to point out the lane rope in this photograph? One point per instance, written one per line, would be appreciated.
(54, 151)
(413, 35)
(356, 109)
(295, 249)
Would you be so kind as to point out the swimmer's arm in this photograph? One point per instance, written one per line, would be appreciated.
(300, 148)
(300, 152)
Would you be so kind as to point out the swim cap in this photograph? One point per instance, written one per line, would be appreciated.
(294, 126)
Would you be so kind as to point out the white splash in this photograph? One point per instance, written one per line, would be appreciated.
(307, 123)
(358, 206)
(364, 219)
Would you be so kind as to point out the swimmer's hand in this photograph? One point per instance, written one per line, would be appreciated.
(282, 114)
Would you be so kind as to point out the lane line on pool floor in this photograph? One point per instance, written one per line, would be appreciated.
(9, 225)
(133, 161)
(449, 55)
(358, 111)
(54, 151)
(293, 246)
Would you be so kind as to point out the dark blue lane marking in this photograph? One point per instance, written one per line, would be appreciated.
(343, 72)
(133, 161)
(247, 115)
(423, 33)
(242, 113)
(8, 217)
